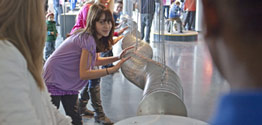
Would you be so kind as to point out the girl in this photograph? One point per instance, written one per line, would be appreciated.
(93, 83)
(24, 98)
(68, 68)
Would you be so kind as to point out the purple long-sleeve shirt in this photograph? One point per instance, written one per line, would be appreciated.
(61, 70)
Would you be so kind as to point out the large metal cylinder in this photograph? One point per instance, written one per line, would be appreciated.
(163, 93)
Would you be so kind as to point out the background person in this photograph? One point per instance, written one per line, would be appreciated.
(147, 10)
(51, 35)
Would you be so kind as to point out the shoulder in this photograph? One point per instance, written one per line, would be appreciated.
(84, 39)
(9, 51)
(13, 67)
(12, 61)
(89, 38)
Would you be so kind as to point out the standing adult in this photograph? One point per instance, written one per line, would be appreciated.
(58, 10)
(190, 7)
(147, 10)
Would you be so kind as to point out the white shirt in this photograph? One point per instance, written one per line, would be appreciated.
(21, 101)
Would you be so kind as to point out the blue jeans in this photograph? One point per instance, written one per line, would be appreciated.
(58, 9)
(91, 84)
(107, 54)
(146, 21)
(72, 4)
(49, 48)
(190, 20)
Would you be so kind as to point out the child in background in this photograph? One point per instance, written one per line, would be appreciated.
(116, 14)
(174, 15)
(51, 35)
(117, 11)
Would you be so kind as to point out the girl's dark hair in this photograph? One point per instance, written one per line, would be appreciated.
(95, 13)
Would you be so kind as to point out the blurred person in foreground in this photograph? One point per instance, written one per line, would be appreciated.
(233, 36)
(24, 97)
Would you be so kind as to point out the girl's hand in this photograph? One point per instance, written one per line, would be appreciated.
(119, 64)
(124, 51)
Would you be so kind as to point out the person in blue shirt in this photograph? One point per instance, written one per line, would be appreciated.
(174, 15)
(117, 11)
(233, 36)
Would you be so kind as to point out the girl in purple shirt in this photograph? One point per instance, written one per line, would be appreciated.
(68, 68)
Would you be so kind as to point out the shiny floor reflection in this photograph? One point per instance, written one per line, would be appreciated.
(201, 82)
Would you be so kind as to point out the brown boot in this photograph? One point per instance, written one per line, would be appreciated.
(82, 108)
(100, 116)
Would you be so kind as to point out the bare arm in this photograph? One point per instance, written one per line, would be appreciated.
(85, 70)
(85, 62)
(108, 60)
(105, 60)
(122, 30)
(117, 39)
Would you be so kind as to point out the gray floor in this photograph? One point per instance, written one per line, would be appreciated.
(191, 61)
(201, 82)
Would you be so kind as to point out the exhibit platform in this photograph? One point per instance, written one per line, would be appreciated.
(176, 36)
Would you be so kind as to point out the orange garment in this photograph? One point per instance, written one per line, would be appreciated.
(190, 5)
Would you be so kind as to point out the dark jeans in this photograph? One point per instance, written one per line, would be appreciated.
(107, 54)
(166, 10)
(49, 48)
(190, 20)
(70, 105)
(91, 84)
(146, 21)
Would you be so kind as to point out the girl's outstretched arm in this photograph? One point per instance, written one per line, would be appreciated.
(109, 60)
(85, 67)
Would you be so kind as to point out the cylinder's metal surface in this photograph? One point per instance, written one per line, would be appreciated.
(163, 93)
(160, 120)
